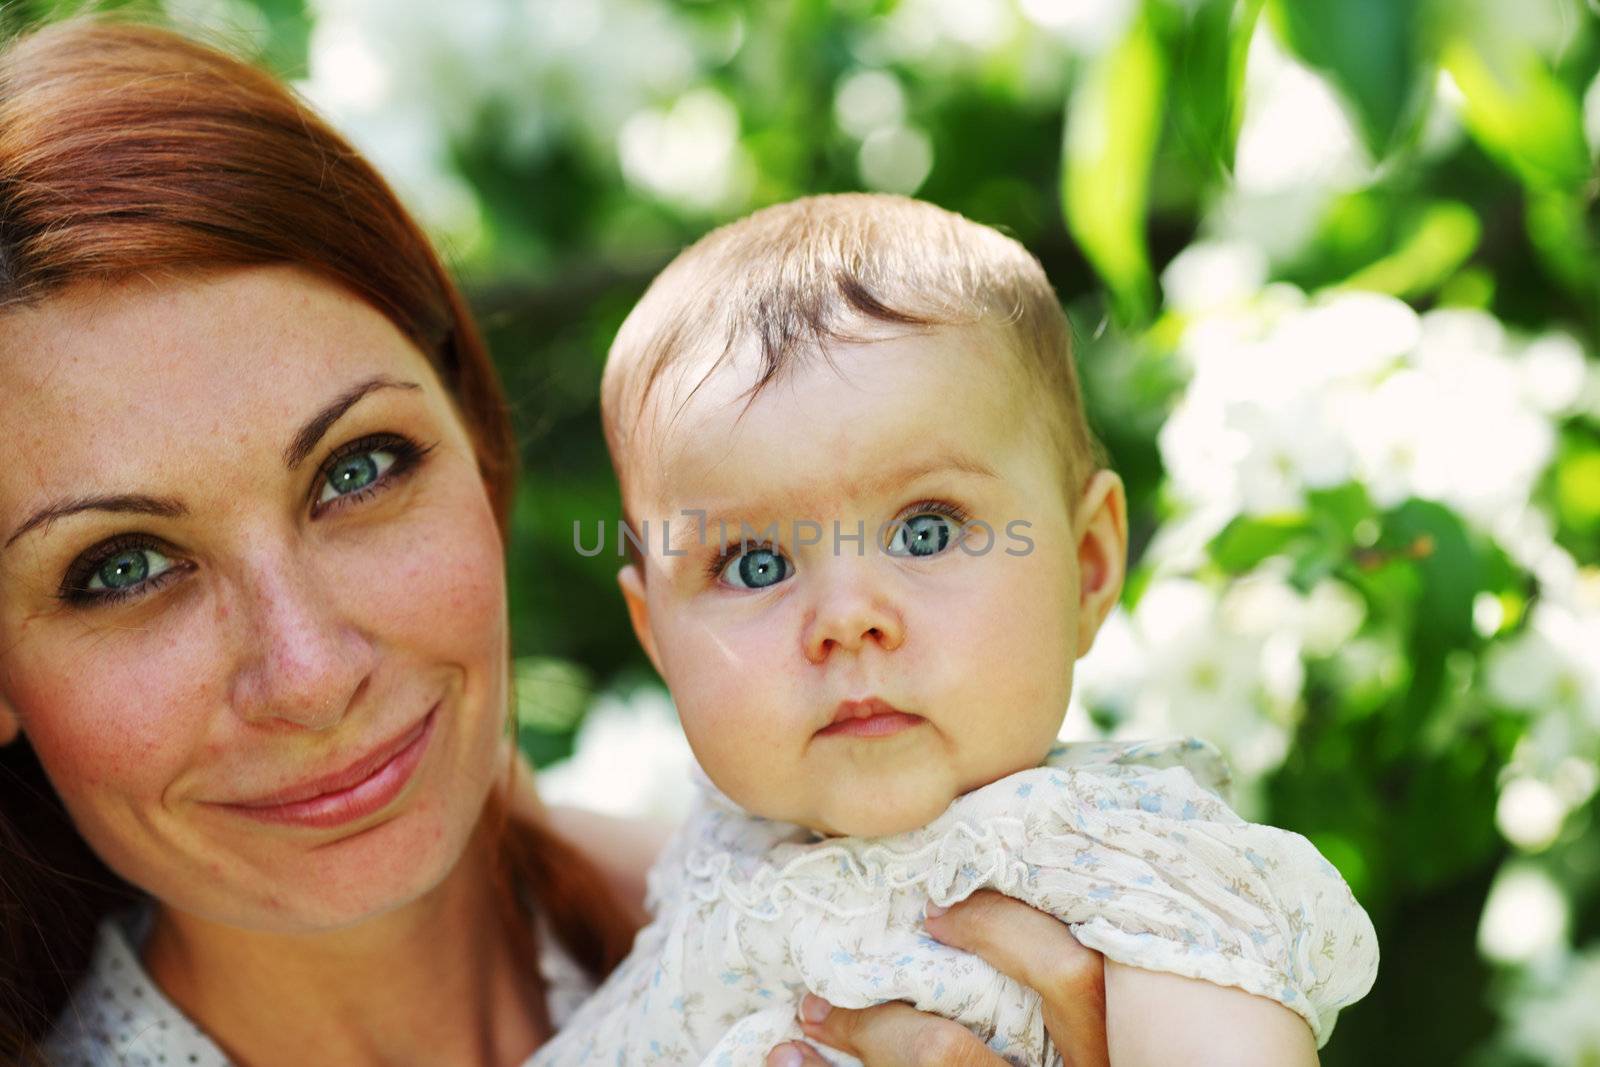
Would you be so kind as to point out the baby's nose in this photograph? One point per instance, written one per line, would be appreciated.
(849, 619)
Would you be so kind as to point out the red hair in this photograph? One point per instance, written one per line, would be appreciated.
(128, 149)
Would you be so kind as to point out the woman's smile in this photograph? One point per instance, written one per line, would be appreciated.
(367, 786)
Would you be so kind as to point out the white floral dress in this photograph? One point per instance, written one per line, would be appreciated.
(1130, 844)
(118, 1017)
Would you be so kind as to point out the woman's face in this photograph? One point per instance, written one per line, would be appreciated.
(252, 596)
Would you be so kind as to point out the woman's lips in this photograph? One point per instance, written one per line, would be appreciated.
(868, 718)
(371, 790)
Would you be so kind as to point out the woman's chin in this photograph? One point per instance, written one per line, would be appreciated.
(325, 885)
(301, 875)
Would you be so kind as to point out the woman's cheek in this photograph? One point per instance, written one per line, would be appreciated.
(120, 737)
(434, 581)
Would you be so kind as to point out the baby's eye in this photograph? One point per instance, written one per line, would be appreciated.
(127, 569)
(925, 534)
(357, 471)
(758, 568)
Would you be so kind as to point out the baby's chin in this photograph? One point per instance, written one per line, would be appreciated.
(881, 816)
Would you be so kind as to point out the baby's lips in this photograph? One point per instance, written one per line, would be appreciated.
(865, 708)
(869, 718)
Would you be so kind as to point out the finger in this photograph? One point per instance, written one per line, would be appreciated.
(1021, 942)
(1038, 951)
(894, 1035)
(795, 1054)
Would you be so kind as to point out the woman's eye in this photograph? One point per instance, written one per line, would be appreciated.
(759, 568)
(127, 569)
(356, 472)
(925, 534)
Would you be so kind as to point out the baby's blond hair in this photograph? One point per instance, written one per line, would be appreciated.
(793, 277)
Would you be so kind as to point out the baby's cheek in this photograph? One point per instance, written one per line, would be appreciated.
(1017, 638)
(719, 706)
(738, 706)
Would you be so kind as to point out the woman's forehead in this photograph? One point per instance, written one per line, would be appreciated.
(250, 320)
(116, 381)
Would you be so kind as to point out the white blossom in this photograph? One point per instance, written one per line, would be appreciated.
(1553, 1013)
(1551, 664)
(1529, 813)
(687, 154)
(1287, 397)
(1526, 916)
(406, 80)
(1214, 274)
(1297, 149)
(629, 759)
(1089, 26)
(868, 100)
(895, 159)
(1191, 661)
(1591, 115)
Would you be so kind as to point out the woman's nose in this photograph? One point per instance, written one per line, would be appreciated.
(303, 662)
(849, 615)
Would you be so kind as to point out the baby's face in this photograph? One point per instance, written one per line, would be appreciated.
(857, 686)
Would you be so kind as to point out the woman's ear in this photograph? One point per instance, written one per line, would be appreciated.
(1102, 553)
(631, 579)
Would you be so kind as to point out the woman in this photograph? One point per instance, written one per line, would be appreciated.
(259, 799)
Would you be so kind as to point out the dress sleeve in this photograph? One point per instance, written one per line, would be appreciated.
(1154, 870)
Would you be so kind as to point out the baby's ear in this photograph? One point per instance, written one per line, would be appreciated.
(631, 579)
(1102, 553)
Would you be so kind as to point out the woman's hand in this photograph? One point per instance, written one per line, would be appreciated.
(1036, 949)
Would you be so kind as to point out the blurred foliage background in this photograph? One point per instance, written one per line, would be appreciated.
(1333, 272)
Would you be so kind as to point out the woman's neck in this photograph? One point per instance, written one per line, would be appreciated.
(437, 981)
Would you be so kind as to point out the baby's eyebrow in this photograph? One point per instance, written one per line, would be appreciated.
(939, 465)
(692, 526)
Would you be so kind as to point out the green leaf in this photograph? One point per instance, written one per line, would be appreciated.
(1448, 563)
(1372, 52)
(552, 694)
(1339, 509)
(1247, 540)
(1208, 53)
(1520, 113)
(1562, 232)
(1440, 243)
(1578, 488)
(290, 25)
(1113, 122)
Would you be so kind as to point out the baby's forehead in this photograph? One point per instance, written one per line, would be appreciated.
(833, 414)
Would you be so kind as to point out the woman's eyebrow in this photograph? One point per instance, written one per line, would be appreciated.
(130, 503)
(322, 421)
(295, 454)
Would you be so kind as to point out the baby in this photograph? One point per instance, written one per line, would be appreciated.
(872, 535)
